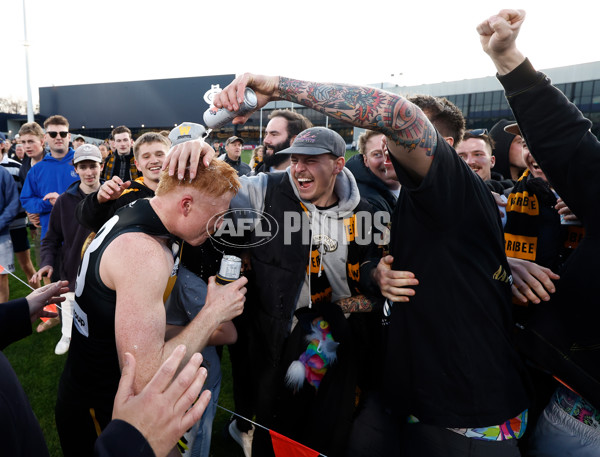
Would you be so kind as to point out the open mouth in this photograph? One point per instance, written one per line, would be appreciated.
(304, 183)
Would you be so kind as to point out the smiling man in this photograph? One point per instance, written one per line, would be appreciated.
(119, 304)
(53, 175)
(149, 151)
(61, 247)
(476, 150)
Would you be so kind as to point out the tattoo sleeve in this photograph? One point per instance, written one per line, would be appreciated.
(355, 304)
(366, 107)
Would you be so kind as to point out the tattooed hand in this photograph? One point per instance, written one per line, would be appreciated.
(231, 97)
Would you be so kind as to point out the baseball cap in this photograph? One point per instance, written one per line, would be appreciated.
(231, 139)
(87, 152)
(79, 137)
(513, 129)
(315, 141)
(186, 132)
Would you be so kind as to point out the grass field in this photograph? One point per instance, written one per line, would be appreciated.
(39, 369)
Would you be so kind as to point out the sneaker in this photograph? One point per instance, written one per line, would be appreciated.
(244, 439)
(62, 346)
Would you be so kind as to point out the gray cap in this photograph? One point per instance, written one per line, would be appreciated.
(186, 132)
(87, 152)
(316, 141)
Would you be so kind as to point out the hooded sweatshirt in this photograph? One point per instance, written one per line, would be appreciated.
(50, 175)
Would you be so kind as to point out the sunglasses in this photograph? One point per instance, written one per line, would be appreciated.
(478, 132)
(62, 134)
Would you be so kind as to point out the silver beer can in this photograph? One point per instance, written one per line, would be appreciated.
(215, 118)
(231, 267)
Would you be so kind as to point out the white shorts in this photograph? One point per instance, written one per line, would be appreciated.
(6, 255)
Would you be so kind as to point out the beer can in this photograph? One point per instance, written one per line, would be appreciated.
(231, 267)
(215, 118)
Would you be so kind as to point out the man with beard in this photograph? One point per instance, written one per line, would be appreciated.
(281, 131)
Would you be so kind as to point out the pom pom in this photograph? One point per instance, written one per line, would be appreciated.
(295, 375)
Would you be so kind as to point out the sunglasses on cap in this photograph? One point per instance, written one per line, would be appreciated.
(478, 132)
(62, 134)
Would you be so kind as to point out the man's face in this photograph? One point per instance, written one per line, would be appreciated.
(276, 136)
(58, 145)
(206, 208)
(150, 159)
(123, 143)
(33, 146)
(314, 176)
(478, 156)
(103, 151)
(234, 150)
(19, 151)
(532, 165)
(375, 160)
(89, 173)
(515, 153)
(78, 142)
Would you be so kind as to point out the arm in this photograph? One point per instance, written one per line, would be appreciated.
(140, 320)
(411, 137)
(16, 316)
(161, 413)
(98, 207)
(30, 198)
(556, 132)
(52, 242)
(11, 200)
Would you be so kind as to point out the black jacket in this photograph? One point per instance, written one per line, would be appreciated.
(563, 336)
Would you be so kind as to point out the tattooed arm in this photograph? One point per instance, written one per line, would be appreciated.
(355, 304)
(411, 138)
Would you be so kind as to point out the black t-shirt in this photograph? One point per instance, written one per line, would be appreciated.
(451, 361)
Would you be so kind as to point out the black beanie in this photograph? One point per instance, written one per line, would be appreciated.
(502, 142)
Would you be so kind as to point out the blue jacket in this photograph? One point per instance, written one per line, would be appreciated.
(9, 200)
(50, 175)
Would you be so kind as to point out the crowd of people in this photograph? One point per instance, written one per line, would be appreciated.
(431, 296)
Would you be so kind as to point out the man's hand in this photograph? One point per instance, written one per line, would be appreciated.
(45, 271)
(498, 36)
(531, 281)
(51, 197)
(393, 283)
(266, 88)
(46, 295)
(163, 410)
(225, 302)
(112, 189)
(188, 154)
(34, 218)
(565, 212)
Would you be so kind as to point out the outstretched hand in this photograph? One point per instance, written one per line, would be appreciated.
(163, 410)
(498, 35)
(44, 296)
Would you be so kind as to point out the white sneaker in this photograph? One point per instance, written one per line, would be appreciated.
(244, 439)
(62, 346)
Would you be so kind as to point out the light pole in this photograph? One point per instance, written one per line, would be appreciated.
(26, 44)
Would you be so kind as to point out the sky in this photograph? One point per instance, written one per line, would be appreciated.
(346, 41)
